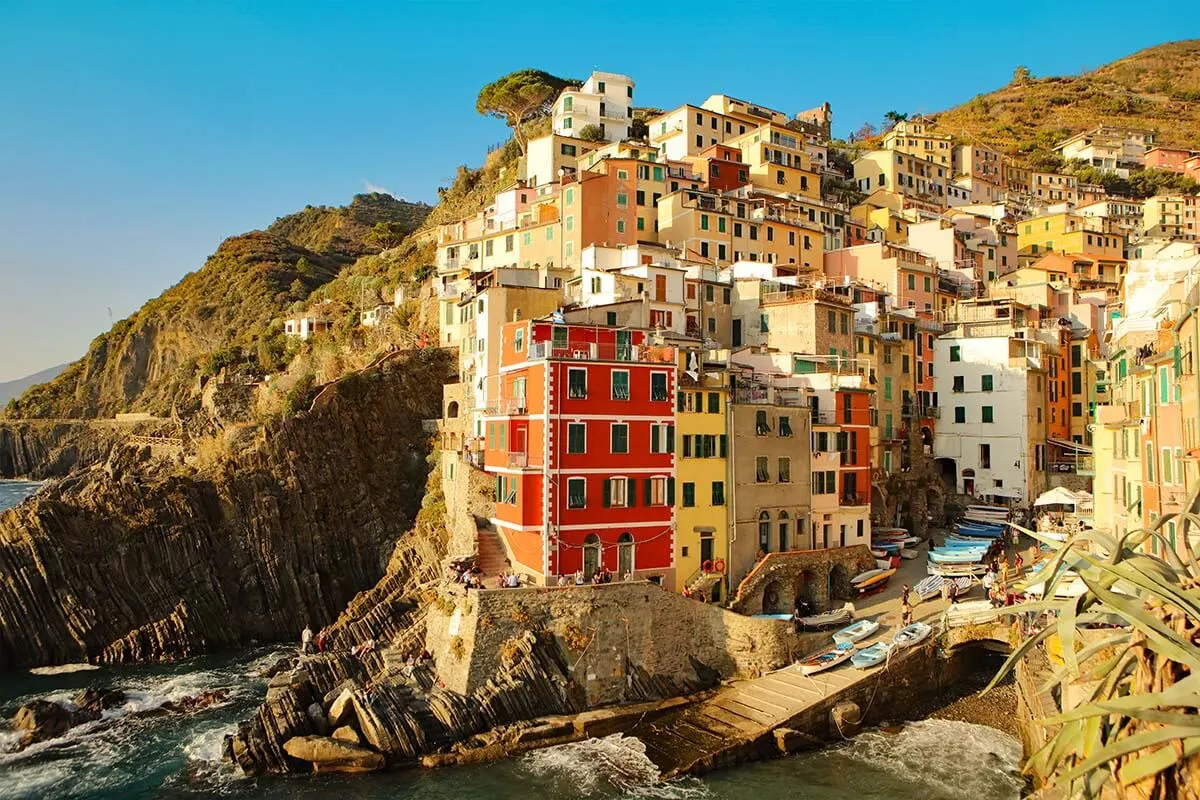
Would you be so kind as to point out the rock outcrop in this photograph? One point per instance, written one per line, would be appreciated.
(118, 564)
(40, 449)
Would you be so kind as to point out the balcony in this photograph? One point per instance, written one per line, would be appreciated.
(853, 499)
(1082, 465)
(600, 352)
(823, 417)
(518, 460)
(514, 406)
(769, 396)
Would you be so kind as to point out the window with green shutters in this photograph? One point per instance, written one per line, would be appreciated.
(619, 438)
(960, 414)
(577, 437)
(720, 224)
(658, 173)
(718, 493)
(620, 385)
(704, 222)
(622, 199)
(1164, 387)
(985, 383)
(502, 429)
(955, 353)
(577, 383)
(887, 388)
(714, 403)
(576, 492)
(658, 386)
(689, 495)
(987, 414)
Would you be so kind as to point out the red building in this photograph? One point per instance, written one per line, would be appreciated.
(582, 448)
(854, 423)
(723, 168)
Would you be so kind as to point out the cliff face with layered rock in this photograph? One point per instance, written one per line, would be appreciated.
(40, 449)
(125, 562)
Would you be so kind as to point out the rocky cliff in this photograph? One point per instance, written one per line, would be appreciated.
(120, 563)
(40, 449)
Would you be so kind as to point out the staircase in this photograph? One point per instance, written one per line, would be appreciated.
(489, 554)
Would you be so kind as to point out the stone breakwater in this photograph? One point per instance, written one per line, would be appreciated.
(125, 562)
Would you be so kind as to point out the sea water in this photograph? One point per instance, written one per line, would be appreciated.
(133, 753)
(13, 492)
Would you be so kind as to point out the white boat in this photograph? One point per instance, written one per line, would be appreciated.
(853, 633)
(911, 634)
(932, 585)
(863, 577)
(830, 619)
(956, 570)
(884, 563)
(826, 659)
(909, 554)
(971, 612)
(871, 656)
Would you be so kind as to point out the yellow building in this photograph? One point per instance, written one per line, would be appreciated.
(778, 161)
(697, 221)
(701, 463)
(914, 137)
(902, 173)
(1174, 216)
(1068, 233)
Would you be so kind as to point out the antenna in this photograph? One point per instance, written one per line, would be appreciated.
(111, 322)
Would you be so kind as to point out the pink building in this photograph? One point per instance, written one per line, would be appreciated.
(1168, 158)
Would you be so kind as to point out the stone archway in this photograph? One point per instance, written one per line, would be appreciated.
(807, 589)
(839, 583)
(775, 598)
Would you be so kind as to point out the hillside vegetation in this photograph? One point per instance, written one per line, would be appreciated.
(226, 312)
(1157, 88)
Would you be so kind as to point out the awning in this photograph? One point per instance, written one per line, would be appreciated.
(1058, 496)
(1075, 447)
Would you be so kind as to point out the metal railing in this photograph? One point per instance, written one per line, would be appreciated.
(600, 352)
(518, 460)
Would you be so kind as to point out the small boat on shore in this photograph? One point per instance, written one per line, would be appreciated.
(960, 556)
(830, 619)
(865, 576)
(910, 635)
(826, 659)
(909, 554)
(875, 583)
(956, 570)
(931, 586)
(871, 656)
(853, 633)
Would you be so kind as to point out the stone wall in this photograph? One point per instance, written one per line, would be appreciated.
(624, 641)
(820, 577)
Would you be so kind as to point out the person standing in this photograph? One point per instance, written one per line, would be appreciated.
(306, 640)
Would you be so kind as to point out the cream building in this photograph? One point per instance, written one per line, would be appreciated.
(605, 100)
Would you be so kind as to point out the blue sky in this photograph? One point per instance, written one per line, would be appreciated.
(135, 136)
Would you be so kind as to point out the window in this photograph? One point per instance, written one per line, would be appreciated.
(519, 340)
(763, 323)
(887, 387)
(987, 414)
(958, 386)
(785, 469)
(616, 493)
(1166, 465)
(619, 438)
(620, 226)
(576, 492)
(620, 384)
(1076, 409)
(985, 383)
(658, 386)
(955, 353)
(704, 222)
(1149, 462)
(785, 427)
(960, 414)
(1076, 383)
(832, 321)
(689, 494)
(762, 472)
(714, 403)
(761, 426)
(764, 531)
(577, 437)
(610, 317)
(718, 493)
(659, 492)
(985, 456)
(662, 438)
(725, 296)
(577, 383)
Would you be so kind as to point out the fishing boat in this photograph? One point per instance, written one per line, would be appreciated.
(980, 533)
(911, 634)
(879, 552)
(903, 531)
(830, 619)
(889, 548)
(865, 576)
(871, 656)
(909, 554)
(931, 586)
(964, 544)
(971, 612)
(859, 630)
(956, 570)
(826, 659)
(875, 583)
(772, 616)
(884, 563)
(967, 556)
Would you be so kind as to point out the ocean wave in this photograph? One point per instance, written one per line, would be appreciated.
(63, 669)
(945, 757)
(612, 766)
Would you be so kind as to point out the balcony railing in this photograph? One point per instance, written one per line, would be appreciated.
(852, 499)
(824, 417)
(769, 395)
(518, 460)
(514, 406)
(600, 352)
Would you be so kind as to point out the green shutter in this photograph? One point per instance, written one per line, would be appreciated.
(724, 445)
(607, 493)
(670, 491)
(631, 493)
(647, 491)
(670, 438)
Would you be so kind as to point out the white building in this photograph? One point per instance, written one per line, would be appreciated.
(305, 326)
(605, 100)
(992, 426)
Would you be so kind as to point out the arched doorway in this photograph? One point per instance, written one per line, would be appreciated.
(806, 589)
(452, 409)
(839, 583)
(785, 525)
(624, 555)
(591, 555)
(774, 601)
(968, 481)
(947, 469)
(764, 532)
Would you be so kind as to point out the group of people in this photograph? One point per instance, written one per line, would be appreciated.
(601, 575)
(508, 580)
(313, 644)
(996, 579)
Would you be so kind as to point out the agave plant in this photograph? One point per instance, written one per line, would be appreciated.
(1136, 731)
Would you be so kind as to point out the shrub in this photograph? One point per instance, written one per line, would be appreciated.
(300, 396)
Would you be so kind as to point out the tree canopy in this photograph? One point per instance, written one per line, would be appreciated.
(519, 97)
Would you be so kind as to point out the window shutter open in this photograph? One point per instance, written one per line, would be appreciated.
(724, 446)
(647, 491)
(670, 491)
(607, 493)
(670, 438)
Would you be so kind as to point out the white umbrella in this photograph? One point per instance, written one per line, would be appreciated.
(1058, 496)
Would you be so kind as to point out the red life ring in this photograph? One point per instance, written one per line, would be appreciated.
(719, 566)
(707, 566)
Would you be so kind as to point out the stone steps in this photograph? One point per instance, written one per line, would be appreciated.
(490, 556)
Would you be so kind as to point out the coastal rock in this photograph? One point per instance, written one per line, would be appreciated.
(118, 564)
(341, 711)
(95, 701)
(333, 755)
(197, 702)
(347, 734)
(41, 720)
